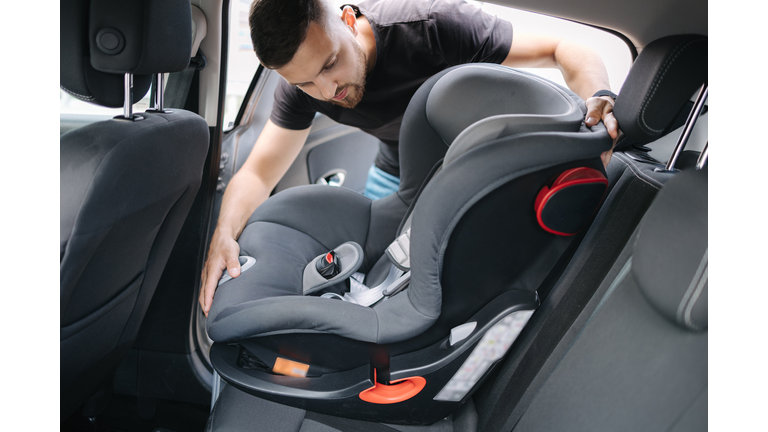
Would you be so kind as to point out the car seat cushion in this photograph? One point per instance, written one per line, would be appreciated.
(677, 224)
(268, 297)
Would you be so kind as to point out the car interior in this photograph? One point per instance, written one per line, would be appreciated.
(513, 282)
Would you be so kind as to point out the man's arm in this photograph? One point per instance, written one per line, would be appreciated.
(582, 68)
(270, 158)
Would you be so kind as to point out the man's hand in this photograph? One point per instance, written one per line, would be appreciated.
(601, 108)
(223, 255)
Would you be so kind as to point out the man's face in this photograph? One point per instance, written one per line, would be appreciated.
(328, 67)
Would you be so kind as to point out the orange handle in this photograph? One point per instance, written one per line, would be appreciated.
(397, 391)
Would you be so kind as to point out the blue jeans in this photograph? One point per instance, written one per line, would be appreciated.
(380, 184)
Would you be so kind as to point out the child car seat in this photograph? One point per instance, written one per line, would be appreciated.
(393, 310)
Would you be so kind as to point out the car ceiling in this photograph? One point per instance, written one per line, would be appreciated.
(641, 21)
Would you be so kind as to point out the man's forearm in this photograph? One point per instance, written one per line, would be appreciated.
(245, 192)
(583, 69)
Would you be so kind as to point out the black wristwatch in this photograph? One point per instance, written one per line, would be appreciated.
(605, 93)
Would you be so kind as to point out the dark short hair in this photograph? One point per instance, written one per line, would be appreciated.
(278, 27)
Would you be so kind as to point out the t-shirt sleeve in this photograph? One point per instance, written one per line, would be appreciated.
(466, 34)
(291, 109)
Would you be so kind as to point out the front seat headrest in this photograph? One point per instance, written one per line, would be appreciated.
(662, 79)
(103, 40)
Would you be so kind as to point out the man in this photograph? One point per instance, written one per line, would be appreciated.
(360, 67)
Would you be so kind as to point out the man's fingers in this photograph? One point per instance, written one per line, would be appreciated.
(611, 124)
(593, 117)
(610, 120)
(209, 287)
(233, 267)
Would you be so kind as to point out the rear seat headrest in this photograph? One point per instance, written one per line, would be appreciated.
(670, 262)
(663, 78)
(101, 41)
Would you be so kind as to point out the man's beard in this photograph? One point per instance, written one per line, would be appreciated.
(354, 90)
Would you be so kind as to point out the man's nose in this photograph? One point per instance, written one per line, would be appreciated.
(327, 87)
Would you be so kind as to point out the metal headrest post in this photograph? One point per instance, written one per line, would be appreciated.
(159, 101)
(128, 101)
(689, 124)
(128, 97)
(703, 157)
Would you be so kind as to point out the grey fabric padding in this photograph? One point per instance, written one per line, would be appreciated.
(237, 411)
(457, 187)
(350, 256)
(134, 156)
(695, 418)
(306, 209)
(157, 34)
(126, 189)
(499, 126)
(662, 79)
(481, 91)
(629, 369)
(481, 102)
(293, 314)
(676, 226)
(399, 319)
(386, 214)
(76, 75)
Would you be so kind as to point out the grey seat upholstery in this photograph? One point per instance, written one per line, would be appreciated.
(126, 186)
(555, 377)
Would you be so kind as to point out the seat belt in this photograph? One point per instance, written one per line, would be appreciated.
(398, 278)
(177, 89)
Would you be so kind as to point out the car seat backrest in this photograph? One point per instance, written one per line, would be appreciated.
(127, 183)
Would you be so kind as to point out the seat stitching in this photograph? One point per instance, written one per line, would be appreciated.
(695, 298)
(691, 288)
(657, 81)
(77, 95)
(639, 174)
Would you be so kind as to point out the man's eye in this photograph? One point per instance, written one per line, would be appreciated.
(332, 64)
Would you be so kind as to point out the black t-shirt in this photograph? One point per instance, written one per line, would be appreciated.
(415, 39)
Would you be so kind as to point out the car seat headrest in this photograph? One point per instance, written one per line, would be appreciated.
(670, 257)
(468, 95)
(101, 41)
(663, 78)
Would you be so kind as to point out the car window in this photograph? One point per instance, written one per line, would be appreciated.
(613, 50)
(71, 105)
(242, 62)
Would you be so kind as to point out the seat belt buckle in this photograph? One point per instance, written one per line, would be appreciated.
(328, 266)
(399, 251)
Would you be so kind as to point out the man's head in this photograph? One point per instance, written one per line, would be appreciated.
(312, 47)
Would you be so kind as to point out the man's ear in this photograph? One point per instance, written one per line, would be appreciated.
(349, 18)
